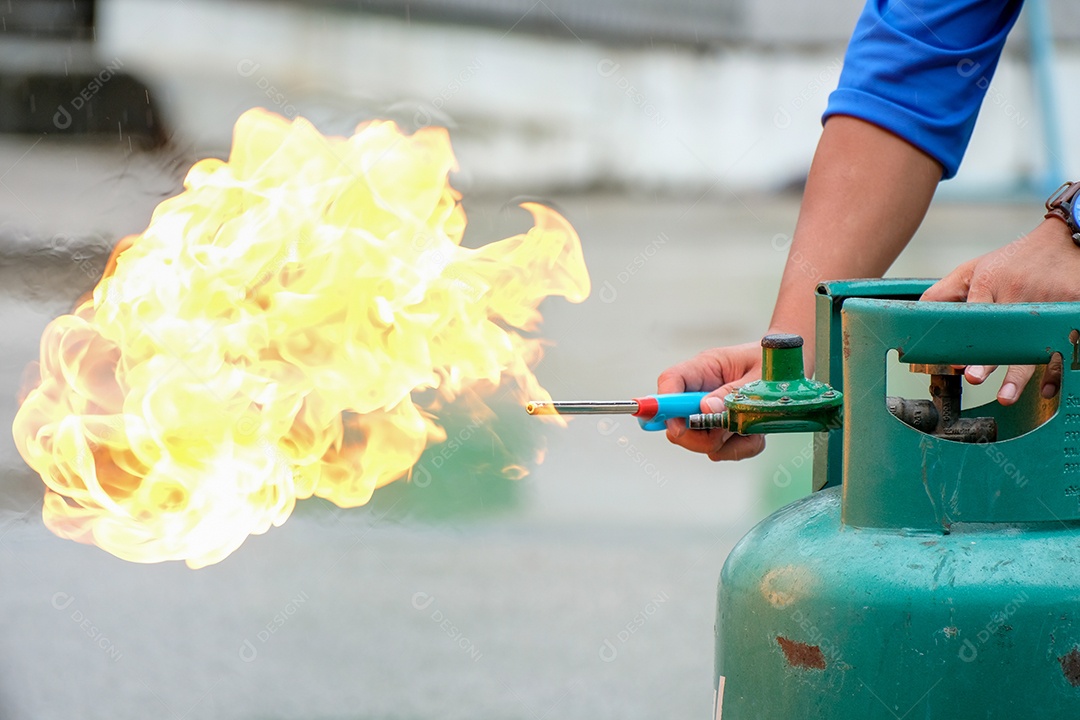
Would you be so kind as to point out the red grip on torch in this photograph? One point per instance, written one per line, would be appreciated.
(647, 407)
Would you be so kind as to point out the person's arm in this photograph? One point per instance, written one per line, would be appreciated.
(866, 194)
(916, 75)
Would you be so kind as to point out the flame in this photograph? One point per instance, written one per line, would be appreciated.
(288, 326)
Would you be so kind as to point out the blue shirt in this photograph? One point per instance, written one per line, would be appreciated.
(920, 70)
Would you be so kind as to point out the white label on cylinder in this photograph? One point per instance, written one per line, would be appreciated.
(718, 701)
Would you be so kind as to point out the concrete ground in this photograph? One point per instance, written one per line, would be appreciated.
(589, 595)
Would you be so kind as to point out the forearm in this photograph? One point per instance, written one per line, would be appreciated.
(866, 194)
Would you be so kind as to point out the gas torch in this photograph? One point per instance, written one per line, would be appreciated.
(784, 400)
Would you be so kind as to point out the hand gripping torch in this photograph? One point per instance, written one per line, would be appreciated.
(784, 400)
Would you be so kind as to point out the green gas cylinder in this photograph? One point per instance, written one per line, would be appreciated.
(935, 572)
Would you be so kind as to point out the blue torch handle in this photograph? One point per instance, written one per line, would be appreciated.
(672, 405)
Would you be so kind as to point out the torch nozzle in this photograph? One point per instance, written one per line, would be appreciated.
(708, 421)
(582, 407)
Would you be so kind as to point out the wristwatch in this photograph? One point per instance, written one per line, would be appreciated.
(1062, 205)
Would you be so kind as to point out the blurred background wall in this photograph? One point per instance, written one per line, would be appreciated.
(678, 96)
(572, 94)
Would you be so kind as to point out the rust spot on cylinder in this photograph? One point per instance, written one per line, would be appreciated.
(1070, 666)
(801, 655)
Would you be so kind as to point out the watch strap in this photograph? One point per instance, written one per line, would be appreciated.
(1061, 204)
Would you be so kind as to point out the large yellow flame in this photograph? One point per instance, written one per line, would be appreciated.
(269, 335)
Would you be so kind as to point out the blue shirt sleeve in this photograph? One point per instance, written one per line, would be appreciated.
(920, 70)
